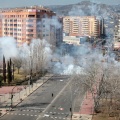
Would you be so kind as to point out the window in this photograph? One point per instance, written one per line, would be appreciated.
(29, 25)
(15, 29)
(15, 24)
(30, 35)
(15, 20)
(15, 33)
(31, 15)
(11, 33)
(30, 30)
(30, 20)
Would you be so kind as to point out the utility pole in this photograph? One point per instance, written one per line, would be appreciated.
(71, 112)
(11, 100)
(71, 102)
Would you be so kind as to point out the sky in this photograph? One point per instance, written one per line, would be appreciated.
(19, 3)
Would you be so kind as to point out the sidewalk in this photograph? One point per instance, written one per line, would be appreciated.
(20, 93)
(86, 109)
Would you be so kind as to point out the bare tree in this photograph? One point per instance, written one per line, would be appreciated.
(17, 61)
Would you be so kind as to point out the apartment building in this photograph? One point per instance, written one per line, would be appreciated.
(27, 23)
(81, 26)
(116, 43)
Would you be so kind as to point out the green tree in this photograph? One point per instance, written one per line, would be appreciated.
(4, 70)
(1, 78)
(9, 75)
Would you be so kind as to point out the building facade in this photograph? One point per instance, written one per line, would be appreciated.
(81, 26)
(116, 43)
(25, 24)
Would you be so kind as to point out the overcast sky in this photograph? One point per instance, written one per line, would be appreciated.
(17, 3)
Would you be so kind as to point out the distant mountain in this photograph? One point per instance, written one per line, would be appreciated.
(110, 13)
(87, 8)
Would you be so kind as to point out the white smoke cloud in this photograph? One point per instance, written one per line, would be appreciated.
(8, 47)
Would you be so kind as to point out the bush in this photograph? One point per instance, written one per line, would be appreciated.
(1, 79)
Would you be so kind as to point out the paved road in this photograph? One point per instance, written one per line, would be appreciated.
(41, 105)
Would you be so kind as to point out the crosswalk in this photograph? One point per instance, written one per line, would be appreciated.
(52, 115)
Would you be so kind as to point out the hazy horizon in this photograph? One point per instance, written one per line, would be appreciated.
(16, 3)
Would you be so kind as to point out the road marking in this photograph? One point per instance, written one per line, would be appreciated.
(46, 115)
(23, 114)
(19, 114)
(31, 115)
(55, 98)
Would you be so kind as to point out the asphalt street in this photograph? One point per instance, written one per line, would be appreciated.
(52, 101)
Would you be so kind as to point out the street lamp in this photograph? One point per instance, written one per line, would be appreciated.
(30, 78)
(71, 103)
(12, 97)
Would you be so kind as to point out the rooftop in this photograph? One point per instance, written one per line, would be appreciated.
(23, 9)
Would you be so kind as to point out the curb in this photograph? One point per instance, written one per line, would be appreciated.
(24, 98)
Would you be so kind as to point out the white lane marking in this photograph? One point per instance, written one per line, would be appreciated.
(46, 115)
(19, 114)
(31, 115)
(55, 98)
(35, 115)
(23, 114)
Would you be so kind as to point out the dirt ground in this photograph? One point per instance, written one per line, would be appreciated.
(106, 113)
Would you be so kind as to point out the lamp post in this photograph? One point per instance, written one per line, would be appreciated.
(12, 97)
(71, 110)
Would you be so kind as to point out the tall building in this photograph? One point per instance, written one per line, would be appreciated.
(27, 23)
(116, 43)
(81, 26)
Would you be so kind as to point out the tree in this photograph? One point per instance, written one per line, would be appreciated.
(4, 69)
(9, 75)
(17, 62)
(1, 78)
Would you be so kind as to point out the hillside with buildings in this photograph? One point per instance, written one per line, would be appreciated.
(86, 8)
(110, 13)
